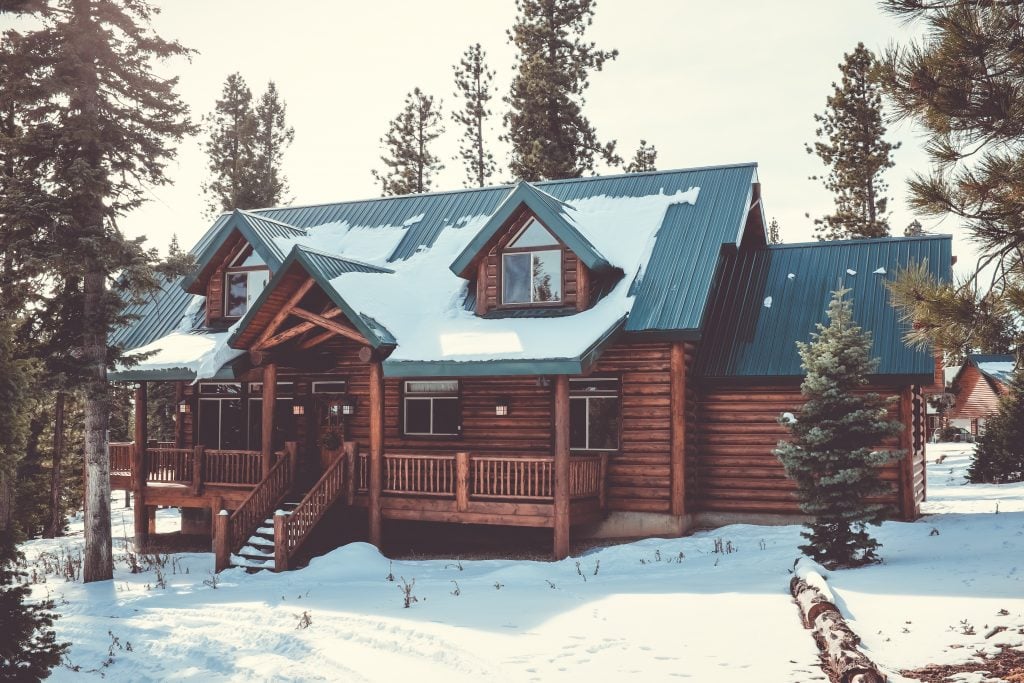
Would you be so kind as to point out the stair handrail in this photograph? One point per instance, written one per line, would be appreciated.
(236, 529)
(291, 529)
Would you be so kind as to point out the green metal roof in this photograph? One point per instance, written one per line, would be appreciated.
(259, 231)
(426, 216)
(746, 337)
(323, 268)
(673, 291)
(554, 214)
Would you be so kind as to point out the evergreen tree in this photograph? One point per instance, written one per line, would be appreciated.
(963, 83)
(473, 83)
(103, 128)
(550, 136)
(230, 148)
(28, 645)
(831, 456)
(409, 164)
(852, 145)
(644, 160)
(774, 233)
(999, 456)
(273, 137)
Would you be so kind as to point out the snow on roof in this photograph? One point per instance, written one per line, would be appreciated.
(199, 353)
(422, 303)
(1001, 370)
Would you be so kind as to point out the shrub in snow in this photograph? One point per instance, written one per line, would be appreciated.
(999, 457)
(831, 456)
(28, 646)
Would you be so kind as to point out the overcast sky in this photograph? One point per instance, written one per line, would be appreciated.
(706, 82)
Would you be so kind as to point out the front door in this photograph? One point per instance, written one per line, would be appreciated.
(331, 427)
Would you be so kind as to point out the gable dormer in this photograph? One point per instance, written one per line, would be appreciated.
(530, 256)
(236, 264)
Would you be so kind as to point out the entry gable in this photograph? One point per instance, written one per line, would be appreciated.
(300, 307)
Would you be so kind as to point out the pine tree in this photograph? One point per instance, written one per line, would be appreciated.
(409, 164)
(550, 136)
(28, 646)
(831, 456)
(914, 229)
(963, 83)
(230, 148)
(273, 137)
(852, 145)
(999, 456)
(645, 159)
(101, 132)
(473, 83)
(774, 232)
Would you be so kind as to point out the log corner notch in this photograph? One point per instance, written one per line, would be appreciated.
(836, 640)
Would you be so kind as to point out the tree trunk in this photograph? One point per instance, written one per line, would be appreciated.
(99, 562)
(56, 509)
(6, 500)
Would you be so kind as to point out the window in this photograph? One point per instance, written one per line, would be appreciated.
(594, 414)
(431, 408)
(220, 415)
(244, 280)
(284, 420)
(531, 273)
(332, 387)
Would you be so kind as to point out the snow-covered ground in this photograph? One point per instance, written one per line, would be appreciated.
(654, 610)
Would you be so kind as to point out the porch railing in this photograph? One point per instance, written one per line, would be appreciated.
(484, 477)
(168, 465)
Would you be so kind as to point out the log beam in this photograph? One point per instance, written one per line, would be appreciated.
(286, 310)
(561, 469)
(139, 474)
(267, 423)
(328, 324)
(376, 450)
(317, 339)
(293, 332)
(678, 412)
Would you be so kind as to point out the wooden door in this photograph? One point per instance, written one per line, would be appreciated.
(331, 425)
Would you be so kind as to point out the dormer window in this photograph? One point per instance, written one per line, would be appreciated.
(531, 267)
(244, 279)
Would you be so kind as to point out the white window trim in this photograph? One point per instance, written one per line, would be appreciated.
(443, 396)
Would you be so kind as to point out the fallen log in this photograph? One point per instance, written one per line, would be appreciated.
(836, 641)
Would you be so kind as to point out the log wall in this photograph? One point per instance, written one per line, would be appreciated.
(734, 469)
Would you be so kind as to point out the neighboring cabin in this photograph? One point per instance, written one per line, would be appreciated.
(977, 387)
(607, 355)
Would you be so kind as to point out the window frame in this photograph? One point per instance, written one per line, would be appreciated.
(220, 398)
(239, 270)
(432, 435)
(558, 247)
(587, 397)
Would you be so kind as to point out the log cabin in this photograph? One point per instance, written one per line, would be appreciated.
(603, 357)
(977, 387)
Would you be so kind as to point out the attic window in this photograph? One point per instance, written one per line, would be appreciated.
(531, 273)
(244, 279)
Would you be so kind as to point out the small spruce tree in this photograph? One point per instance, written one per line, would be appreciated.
(831, 456)
(774, 232)
(999, 457)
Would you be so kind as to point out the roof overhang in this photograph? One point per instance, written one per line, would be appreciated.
(548, 211)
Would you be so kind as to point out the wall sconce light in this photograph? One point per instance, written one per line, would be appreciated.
(543, 382)
(298, 409)
(501, 406)
(184, 408)
(349, 406)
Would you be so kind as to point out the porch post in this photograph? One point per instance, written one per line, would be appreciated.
(908, 502)
(678, 412)
(376, 449)
(561, 483)
(140, 515)
(269, 399)
(179, 417)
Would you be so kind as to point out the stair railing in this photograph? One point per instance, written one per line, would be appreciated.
(291, 529)
(232, 531)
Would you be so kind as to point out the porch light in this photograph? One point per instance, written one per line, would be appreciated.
(298, 409)
(349, 406)
(501, 406)
(184, 408)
